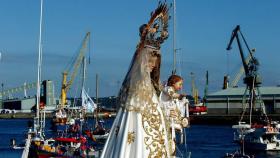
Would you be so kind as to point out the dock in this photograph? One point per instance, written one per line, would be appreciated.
(21, 115)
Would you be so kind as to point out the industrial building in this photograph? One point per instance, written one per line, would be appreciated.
(26, 103)
(229, 101)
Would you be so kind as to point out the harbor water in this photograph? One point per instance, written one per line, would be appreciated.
(203, 141)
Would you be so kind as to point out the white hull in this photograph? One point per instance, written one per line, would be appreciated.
(263, 138)
(104, 136)
(262, 146)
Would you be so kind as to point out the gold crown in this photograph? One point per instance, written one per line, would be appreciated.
(155, 32)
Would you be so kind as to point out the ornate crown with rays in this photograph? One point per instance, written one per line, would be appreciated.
(156, 30)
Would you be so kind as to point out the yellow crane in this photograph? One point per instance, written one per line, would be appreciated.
(67, 84)
(194, 89)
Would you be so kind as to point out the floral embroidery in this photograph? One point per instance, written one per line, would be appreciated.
(130, 137)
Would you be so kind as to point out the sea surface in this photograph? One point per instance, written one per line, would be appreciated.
(203, 141)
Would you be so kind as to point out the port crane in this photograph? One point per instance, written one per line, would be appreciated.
(67, 84)
(252, 78)
(8, 92)
(24, 87)
(240, 72)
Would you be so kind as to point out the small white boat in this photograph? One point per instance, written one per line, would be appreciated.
(236, 155)
(258, 137)
(100, 133)
(14, 146)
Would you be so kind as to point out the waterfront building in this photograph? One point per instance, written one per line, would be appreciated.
(26, 103)
(229, 101)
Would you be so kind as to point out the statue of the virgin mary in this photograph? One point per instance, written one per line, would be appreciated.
(139, 129)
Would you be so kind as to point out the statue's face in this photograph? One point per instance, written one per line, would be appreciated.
(152, 63)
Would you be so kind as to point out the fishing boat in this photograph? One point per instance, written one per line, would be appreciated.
(196, 106)
(100, 133)
(71, 142)
(198, 109)
(63, 147)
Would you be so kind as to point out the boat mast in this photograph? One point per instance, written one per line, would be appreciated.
(37, 122)
(174, 37)
(83, 90)
(96, 92)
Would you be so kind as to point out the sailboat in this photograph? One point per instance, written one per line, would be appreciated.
(37, 134)
(100, 133)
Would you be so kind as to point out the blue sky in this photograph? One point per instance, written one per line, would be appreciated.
(203, 30)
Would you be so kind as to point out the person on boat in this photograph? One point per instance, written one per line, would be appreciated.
(60, 116)
(75, 128)
(139, 129)
(99, 129)
(174, 105)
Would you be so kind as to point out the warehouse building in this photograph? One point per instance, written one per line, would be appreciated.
(229, 101)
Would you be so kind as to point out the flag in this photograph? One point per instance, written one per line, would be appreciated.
(87, 102)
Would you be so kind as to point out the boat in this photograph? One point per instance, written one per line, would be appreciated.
(260, 134)
(197, 109)
(70, 142)
(243, 130)
(100, 133)
(236, 154)
(37, 133)
(63, 147)
(196, 105)
(15, 146)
